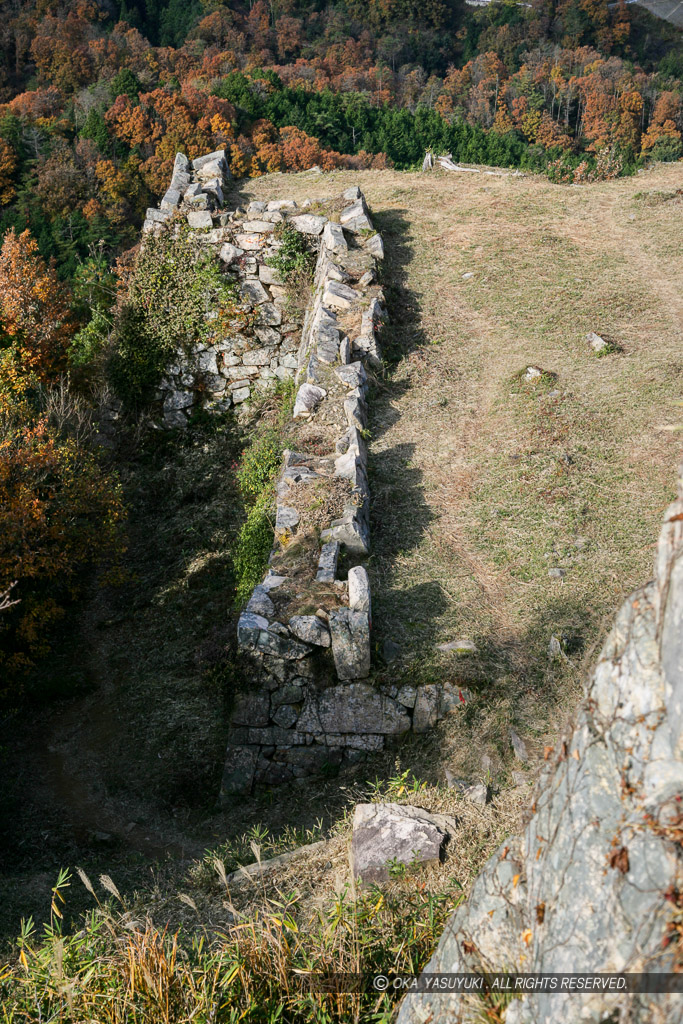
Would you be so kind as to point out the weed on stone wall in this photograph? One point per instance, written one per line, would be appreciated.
(258, 466)
(177, 297)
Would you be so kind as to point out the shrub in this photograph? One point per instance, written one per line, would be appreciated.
(259, 463)
(59, 512)
(294, 260)
(254, 544)
(667, 148)
(177, 296)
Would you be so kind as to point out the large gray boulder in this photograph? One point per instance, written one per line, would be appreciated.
(592, 883)
(388, 835)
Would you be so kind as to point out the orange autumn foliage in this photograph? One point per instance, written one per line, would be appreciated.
(34, 313)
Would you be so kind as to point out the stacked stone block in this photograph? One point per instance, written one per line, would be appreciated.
(306, 630)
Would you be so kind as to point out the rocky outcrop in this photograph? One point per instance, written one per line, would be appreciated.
(595, 881)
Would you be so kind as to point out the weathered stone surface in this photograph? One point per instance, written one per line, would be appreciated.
(359, 590)
(259, 603)
(339, 296)
(238, 773)
(158, 216)
(386, 834)
(356, 413)
(285, 716)
(310, 629)
(257, 357)
(229, 252)
(268, 335)
(269, 315)
(259, 227)
(178, 400)
(327, 563)
(518, 746)
(407, 695)
(269, 275)
(333, 238)
(357, 709)
(270, 642)
(433, 701)
(352, 375)
(240, 395)
(291, 694)
(350, 643)
(345, 351)
(307, 398)
(249, 626)
(308, 223)
(251, 709)
(171, 200)
(213, 187)
(594, 853)
(282, 205)
(596, 342)
(254, 292)
(251, 242)
(199, 219)
(286, 521)
(355, 217)
(352, 532)
(334, 272)
(217, 157)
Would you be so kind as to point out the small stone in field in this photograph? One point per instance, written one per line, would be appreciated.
(477, 794)
(390, 651)
(518, 746)
(467, 276)
(556, 574)
(597, 343)
(460, 646)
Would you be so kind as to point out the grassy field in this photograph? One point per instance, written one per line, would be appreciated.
(505, 512)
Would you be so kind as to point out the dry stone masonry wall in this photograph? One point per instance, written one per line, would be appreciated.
(228, 372)
(305, 633)
(306, 628)
(594, 883)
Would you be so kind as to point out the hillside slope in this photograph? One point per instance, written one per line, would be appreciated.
(506, 513)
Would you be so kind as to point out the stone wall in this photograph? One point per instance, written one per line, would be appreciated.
(227, 372)
(595, 881)
(304, 635)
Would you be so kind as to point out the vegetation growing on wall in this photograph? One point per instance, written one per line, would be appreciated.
(258, 467)
(177, 297)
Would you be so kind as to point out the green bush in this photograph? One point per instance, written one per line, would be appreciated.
(254, 544)
(177, 297)
(293, 260)
(259, 463)
(667, 149)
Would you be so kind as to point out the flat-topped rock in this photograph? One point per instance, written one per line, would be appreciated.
(388, 834)
(308, 223)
